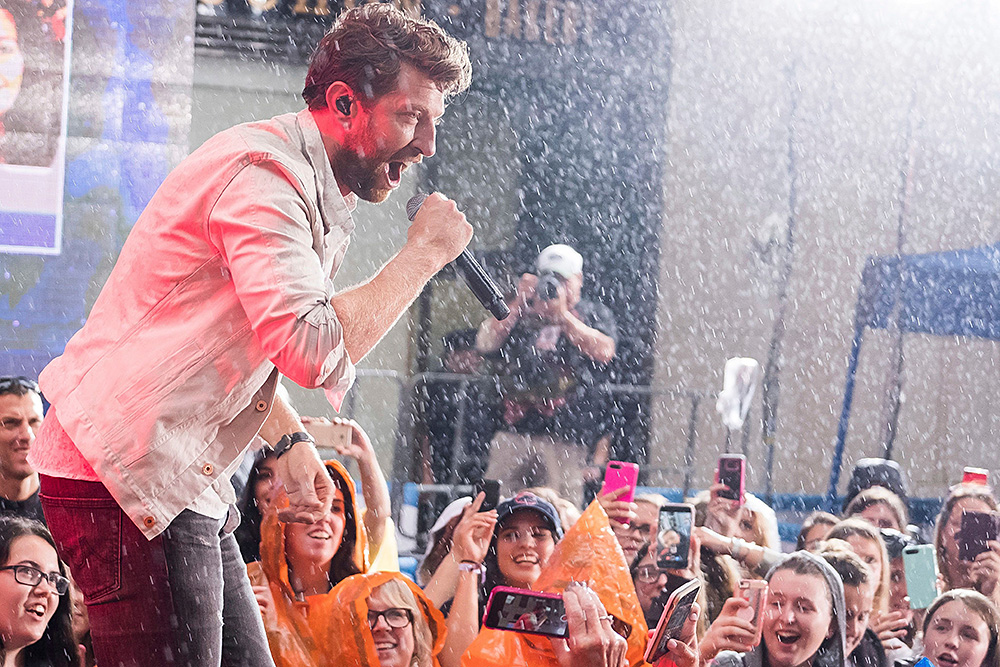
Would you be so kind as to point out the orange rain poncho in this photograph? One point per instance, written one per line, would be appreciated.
(347, 634)
(589, 552)
(295, 628)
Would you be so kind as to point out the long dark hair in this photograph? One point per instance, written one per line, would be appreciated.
(344, 564)
(57, 647)
(247, 534)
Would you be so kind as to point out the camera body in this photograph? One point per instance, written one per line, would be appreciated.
(547, 288)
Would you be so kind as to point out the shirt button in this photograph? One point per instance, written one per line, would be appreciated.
(208, 469)
(149, 522)
(261, 405)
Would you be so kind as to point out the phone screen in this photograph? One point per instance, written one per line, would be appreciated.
(672, 622)
(527, 612)
(673, 537)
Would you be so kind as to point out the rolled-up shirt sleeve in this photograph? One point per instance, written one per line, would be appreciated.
(262, 226)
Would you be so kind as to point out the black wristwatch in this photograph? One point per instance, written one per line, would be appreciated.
(290, 439)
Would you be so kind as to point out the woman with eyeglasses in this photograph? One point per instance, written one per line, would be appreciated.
(380, 619)
(35, 613)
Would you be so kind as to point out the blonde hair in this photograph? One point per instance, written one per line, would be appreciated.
(763, 521)
(395, 593)
(879, 495)
(863, 529)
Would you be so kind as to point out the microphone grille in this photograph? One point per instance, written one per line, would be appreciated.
(414, 204)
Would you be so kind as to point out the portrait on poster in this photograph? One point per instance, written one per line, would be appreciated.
(35, 46)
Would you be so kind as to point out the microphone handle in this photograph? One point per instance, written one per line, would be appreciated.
(482, 285)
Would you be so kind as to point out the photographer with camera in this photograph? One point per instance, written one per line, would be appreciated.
(550, 354)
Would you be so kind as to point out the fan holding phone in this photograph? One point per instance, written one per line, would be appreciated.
(982, 573)
(803, 619)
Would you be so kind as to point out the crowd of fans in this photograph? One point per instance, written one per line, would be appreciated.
(331, 593)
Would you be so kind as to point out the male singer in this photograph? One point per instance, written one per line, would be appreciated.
(225, 282)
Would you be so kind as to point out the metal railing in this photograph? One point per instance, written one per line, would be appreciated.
(407, 387)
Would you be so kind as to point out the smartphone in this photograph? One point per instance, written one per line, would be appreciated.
(753, 591)
(671, 623)
(732, 472)
(920, 566)
(491, 487)
(673, 536)
(980, 476)
(331, 434)
(621, 474)
(977, 529)
(530, 612)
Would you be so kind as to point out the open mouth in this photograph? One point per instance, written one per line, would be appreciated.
(319, 535)
(525, 560)
(37, 610)
(385, 645)
(788, 638)
(946, 660)
(394, 172)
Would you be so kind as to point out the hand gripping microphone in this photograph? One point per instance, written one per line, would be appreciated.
(475, 277)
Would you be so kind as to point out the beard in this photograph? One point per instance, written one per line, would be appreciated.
(361, 174)
(367, 170)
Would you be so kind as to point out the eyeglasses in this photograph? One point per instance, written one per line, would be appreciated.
(32, 576)
(648, 574)
(514, 536)
(636, 527)
(395, 617)
(19, 383)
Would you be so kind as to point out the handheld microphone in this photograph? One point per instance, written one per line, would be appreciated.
(475, 277)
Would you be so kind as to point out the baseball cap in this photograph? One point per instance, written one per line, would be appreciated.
(560, 259)
(529, 501)
(453, 510)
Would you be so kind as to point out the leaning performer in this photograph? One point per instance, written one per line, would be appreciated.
(224, 285)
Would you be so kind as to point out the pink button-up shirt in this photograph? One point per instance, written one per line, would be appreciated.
(225, 281)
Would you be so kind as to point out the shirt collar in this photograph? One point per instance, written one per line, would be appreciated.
(339, 205)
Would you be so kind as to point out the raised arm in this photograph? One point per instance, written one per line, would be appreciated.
(471, 541)
(260, 226)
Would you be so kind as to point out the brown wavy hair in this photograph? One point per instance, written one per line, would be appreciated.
(980, 605)
(366, 47)
(959, 492)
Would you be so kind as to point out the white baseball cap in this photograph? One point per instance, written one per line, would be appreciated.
(561, 259)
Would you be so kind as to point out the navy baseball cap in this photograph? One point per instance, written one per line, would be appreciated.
(526, 500)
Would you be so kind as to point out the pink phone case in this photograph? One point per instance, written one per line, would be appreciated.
(620, 474)
(753, 591)
(732, 472)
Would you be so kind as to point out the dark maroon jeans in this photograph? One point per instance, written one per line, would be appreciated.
(182, 598)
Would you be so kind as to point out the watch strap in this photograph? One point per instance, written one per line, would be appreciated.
(289, 439)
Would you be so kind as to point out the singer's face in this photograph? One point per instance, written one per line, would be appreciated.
(389, 135)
